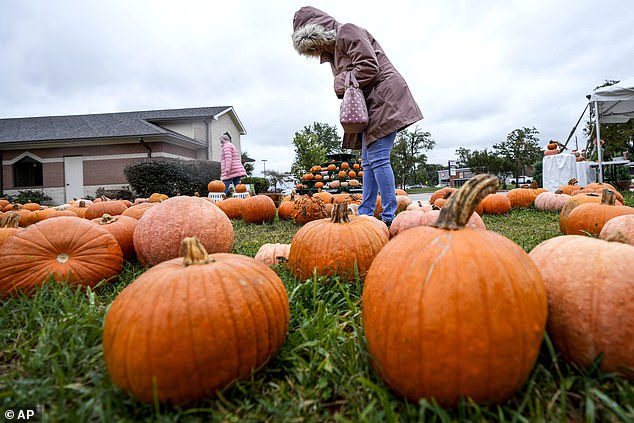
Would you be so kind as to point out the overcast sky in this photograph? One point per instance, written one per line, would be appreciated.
(478, 69)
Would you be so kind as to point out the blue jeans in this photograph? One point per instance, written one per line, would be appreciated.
(235, 181)
(378, 176)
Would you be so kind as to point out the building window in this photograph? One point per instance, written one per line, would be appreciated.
(27, 173)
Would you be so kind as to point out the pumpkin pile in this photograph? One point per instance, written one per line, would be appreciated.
(335, 176)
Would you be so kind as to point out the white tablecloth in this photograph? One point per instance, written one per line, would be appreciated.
(558, 170)
(585, 173)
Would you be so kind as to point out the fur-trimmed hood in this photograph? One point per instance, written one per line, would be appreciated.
(313, 29)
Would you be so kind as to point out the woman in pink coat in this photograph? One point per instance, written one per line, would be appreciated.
(231, 169)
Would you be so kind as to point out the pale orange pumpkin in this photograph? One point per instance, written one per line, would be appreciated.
(590, 287)
(159, 234)
(619, 229)
(549, 201)
(272, 253)
(190, 326)
(437, 315)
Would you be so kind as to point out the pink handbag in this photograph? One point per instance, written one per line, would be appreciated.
(353, 113)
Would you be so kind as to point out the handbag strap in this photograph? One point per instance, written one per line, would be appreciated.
(350, 78)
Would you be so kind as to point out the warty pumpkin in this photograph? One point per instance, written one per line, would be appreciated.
(590, 287)
(190, 326)
(68, 249)
(340, 245)
(445, 321)
(308, 208)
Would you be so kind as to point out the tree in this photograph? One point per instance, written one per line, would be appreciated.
(521, 148)
(274, 177)
(308, 153)
(484, 161)
(407, 154)
(248, 166)
(326, 136)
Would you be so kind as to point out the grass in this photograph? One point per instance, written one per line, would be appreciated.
(50, 354)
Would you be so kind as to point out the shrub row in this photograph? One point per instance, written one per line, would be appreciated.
(171, 176)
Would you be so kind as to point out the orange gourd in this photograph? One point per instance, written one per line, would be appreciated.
(68, 249)
(342, 245)
(443, 321)
(190, 326)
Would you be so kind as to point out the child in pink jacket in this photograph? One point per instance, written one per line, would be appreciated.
(231, 169)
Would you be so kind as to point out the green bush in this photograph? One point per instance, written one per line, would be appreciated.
(259, 184)
(23, 197)
(171, 176)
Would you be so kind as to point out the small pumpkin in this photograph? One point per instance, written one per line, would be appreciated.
(549, 201)
(271, 254)
(157, 198)
(122, 228)
(440, 193)
(568, 188)
(240, 188)
(422, 311)
(521, 197)
(137, 210)
(190, 326)
(216, 186)
(321, 246)
(495, 203)
(258, 209)
(9, 225)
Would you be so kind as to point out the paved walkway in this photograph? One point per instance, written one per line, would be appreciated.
(425, 196)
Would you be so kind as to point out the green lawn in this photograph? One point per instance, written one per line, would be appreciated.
(50, 354)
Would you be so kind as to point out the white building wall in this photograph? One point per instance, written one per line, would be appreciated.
(218, 127)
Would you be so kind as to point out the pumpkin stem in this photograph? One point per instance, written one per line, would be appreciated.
(573, 181)
(340, 213)
(456, 212)
(608, 197)
(10, 220)
(194, 252)
(106, 219)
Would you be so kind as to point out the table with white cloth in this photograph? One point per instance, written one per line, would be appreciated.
(558, 169)
(586, 173)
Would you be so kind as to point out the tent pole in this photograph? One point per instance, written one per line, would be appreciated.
(598, 141)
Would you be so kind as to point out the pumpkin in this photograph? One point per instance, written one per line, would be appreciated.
(345, 165)
(589, 218)
(619, 229)
(334, 184)
(240, 188)
(308, 208)
(9, 226)
(549, 201)
(342, 174)
(440, 193)
(80, 207)
(285, 210)
(258, 209)
(443, 321)
(326, 196)
(332, 167)
(157, 198)
(399, 191)
(122, 228)
(495, 203)
(568, 188)
(420, 205)
(190, 326)
(552, 145)
(162, 228)
(232, 207)
(402, 201)
(343, 245)
(319, 185)
(571, 204)
(216, 186)
(111, 207)
(548, 152)
(352, 174)
(137, 210)
(521, 197)
(270, 254)
(68, 249)
(31, 206)
(420, 217)
(590, 287)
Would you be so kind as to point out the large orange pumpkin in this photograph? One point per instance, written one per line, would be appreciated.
(111, 207)
(9, 226)
(162, 228)
(495, 203)
(589, 218)
(258, 209)
(68, 249)
(137, 210)
(521, 197)
(590, 287)
(571, 204)
(340, 245)
(190, 326)
(232, 207)
(443, 320)
(440, 193)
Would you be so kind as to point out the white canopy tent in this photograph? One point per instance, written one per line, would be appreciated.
(612, 104)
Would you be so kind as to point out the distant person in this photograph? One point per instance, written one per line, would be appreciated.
(391, 106)
(231, 169)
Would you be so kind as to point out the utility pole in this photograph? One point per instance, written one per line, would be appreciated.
(264, 161)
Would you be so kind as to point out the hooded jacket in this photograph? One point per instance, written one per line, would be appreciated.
(230, 163)
(391, 106)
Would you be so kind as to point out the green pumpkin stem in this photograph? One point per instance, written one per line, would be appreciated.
(608, 197)
(456, 212)
(194, 252)
(340, 213)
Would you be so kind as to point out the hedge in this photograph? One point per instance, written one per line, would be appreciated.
(171, 176)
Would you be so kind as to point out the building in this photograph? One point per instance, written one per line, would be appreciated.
(72, 156)
(454, 177)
